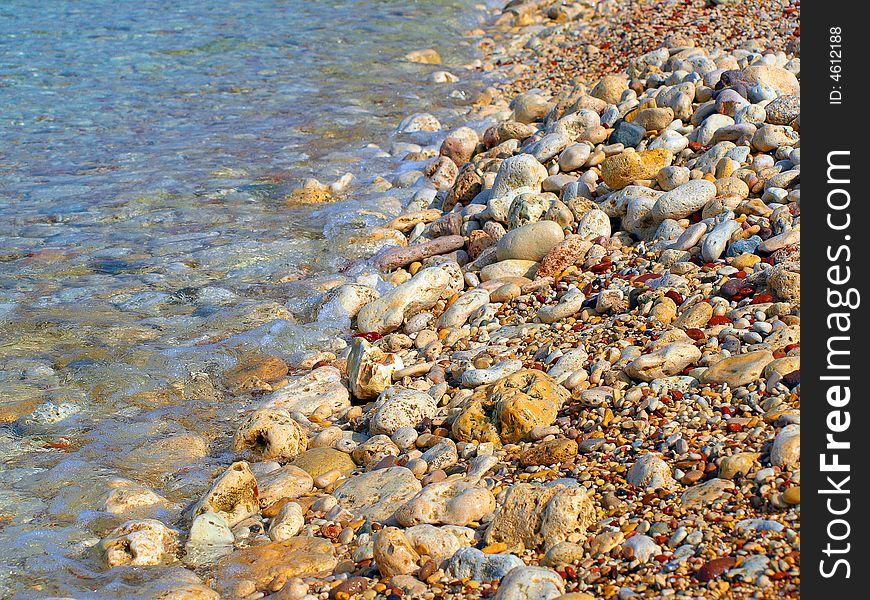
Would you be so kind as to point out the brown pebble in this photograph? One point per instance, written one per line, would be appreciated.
(715, 568)
(351, 586)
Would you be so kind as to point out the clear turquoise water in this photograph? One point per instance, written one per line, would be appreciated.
(147, 149)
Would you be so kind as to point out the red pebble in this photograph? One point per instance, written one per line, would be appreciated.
(715, 568)
(647, 277)
(601, 267)
(61, 445)
(675, 296)
(762, 299)
(369, 336)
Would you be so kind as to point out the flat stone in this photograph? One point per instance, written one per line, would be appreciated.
(419, 293)
(271, 434)
(628, 134)
(780, 79)
(570, 251)
(786, 449)
(400, 407)
(393, 553)
(594, 224)
(276, 561)
(345, 301)
(140, 543)
(706, 493)
(683, 200)
(610, 88)
(530, 583)
(541, 515)
(234, 495)
(550, 452)
(664, 362)
(305, 394)
(569, 304)
(530, 242)
(563, 553)
(650, 472)
(463, 308)
(377, 494)
(317, 461)
(654, 119)
(738, 370)
(509, 268)
(439, 543)
(473, 564)
(739, 464)
(290, 481)
(696, 317)
(640, 548)
(447, 503)
(621, 169)
(253, 373)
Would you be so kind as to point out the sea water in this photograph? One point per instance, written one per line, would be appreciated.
(147, 149)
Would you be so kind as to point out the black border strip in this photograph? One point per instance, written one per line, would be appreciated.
(834, 273)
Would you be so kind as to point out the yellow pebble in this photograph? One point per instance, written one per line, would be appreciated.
(724, 168)
(745, 260)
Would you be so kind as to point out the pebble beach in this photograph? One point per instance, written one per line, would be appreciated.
(562, 358)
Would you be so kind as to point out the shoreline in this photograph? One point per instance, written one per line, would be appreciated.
(523, 393)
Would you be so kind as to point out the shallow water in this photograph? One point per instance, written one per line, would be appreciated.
(145, 241)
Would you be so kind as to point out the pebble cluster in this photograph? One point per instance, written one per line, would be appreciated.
(583, 379)
(547, 45)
